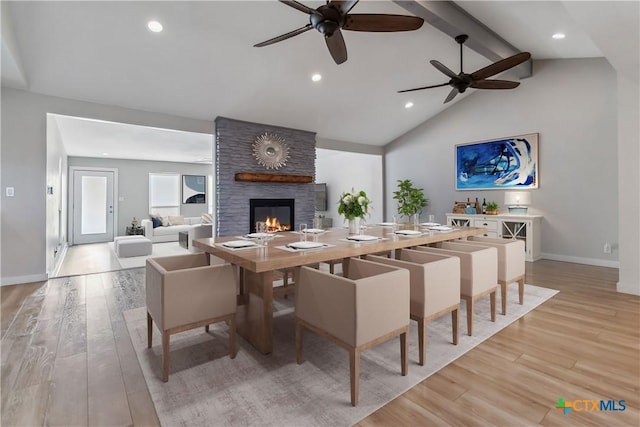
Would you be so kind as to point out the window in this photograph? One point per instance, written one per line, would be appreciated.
(164, 193)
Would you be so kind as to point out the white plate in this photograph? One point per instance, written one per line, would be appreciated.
(363, 238)
(386, 224)
(441, 228)
(257, 235)
(429, 224)
(306, 245)
(313, 230)
(409, 232)
(235, 244)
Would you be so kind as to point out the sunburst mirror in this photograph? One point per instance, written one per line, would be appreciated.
(271, 151)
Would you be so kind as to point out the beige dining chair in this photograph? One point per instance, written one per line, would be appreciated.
(185, 292)
(511, 263)
(367, 307)
(478, 276)
(434, 291)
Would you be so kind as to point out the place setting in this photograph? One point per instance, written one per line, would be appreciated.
(304, 244)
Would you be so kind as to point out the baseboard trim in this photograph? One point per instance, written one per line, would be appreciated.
(628, 288)
(17, 280)
(581, 260)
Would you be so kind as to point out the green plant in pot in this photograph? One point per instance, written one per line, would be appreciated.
(492, 208)
(411, 200)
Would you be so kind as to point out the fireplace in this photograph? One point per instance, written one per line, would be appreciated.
(277, 212)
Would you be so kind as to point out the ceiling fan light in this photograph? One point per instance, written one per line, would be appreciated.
(154, 26)
(558, 36)
(316, 77)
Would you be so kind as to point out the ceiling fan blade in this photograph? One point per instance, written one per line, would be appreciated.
(382, 23)
(284, 36)
(425, 87)
(494, 84)
(337, 47)
(299, 6)
(500, 66)
(443, 69)
(451, 95)
(343, 6)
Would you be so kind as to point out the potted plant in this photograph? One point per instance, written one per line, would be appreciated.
(492, 208)
(411, 200)
(354, 206)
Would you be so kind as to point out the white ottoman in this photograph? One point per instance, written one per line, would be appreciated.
(128, 246)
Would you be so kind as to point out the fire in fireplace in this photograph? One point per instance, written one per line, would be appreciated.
(278, 213)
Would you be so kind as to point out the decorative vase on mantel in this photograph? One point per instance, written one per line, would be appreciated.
(354, 226)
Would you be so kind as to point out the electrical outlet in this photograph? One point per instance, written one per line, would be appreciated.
(607, 248)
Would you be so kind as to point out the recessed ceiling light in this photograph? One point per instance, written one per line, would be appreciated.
(558, 36)
(105, 154)
(154, 26)
(408, 104)
(316, 77)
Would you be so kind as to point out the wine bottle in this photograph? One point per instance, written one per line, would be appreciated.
(484, 206)
(468, 203)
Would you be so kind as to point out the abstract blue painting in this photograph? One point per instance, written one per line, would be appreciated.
(499, 164)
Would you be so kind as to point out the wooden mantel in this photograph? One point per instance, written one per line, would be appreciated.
(273, 177)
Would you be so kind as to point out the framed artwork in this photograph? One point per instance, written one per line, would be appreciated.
(194, 189)
(498, 164)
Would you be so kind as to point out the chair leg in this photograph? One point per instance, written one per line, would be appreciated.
(149, 330)
(206, 328)
(521, 290)
(455, 317)
(404, 350)
(470, 316)
(331, 267)
(165, 356)
(298, 343)
(492, 299)
(422, 339)
(503, 295)
(354, 370)
(232, 337)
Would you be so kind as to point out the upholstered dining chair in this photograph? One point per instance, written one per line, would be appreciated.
(185, 292)
(367, 307)
(478, 276)
(434, 291)
(511, 263)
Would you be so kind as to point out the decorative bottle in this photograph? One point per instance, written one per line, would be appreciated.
(484, 206)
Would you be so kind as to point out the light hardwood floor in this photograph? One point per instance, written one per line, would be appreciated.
(67, 358)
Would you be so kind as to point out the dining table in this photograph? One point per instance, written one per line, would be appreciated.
(262, 262)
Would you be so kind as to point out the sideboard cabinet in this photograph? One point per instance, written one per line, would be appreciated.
(521, 227)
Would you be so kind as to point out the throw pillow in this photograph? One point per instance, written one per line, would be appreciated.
(176, 219)
(157, 222)
(206, 218)
(165, 221)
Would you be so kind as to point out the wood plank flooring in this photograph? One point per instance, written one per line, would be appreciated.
(67, 358)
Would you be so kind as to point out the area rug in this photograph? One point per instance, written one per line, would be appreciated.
(207, 388)
(158, 249)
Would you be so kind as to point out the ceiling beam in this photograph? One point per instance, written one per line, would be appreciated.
(452, 20)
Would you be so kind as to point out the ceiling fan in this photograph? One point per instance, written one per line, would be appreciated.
(334, 16)
(460, 82)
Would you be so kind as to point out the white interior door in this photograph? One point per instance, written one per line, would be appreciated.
(93, 197)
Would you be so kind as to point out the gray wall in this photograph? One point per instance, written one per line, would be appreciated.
(234, 153)
(572, 105)
(133, 185)
(24, 166)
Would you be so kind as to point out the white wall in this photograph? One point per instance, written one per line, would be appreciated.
(572, 105)
(629, 185)
(24, 164)
(56, 202)
(343, 171)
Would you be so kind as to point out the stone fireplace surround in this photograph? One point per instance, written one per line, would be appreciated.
(234, 154)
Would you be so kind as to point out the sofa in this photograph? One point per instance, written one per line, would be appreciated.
(168, 233)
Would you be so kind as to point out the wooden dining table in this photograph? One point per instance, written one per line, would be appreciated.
(258, 266)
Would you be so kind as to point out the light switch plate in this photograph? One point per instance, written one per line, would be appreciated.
(10, 192)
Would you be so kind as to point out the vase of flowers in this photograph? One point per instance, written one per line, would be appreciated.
(354, 206)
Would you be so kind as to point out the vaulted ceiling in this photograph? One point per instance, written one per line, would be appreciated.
(203, 64)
